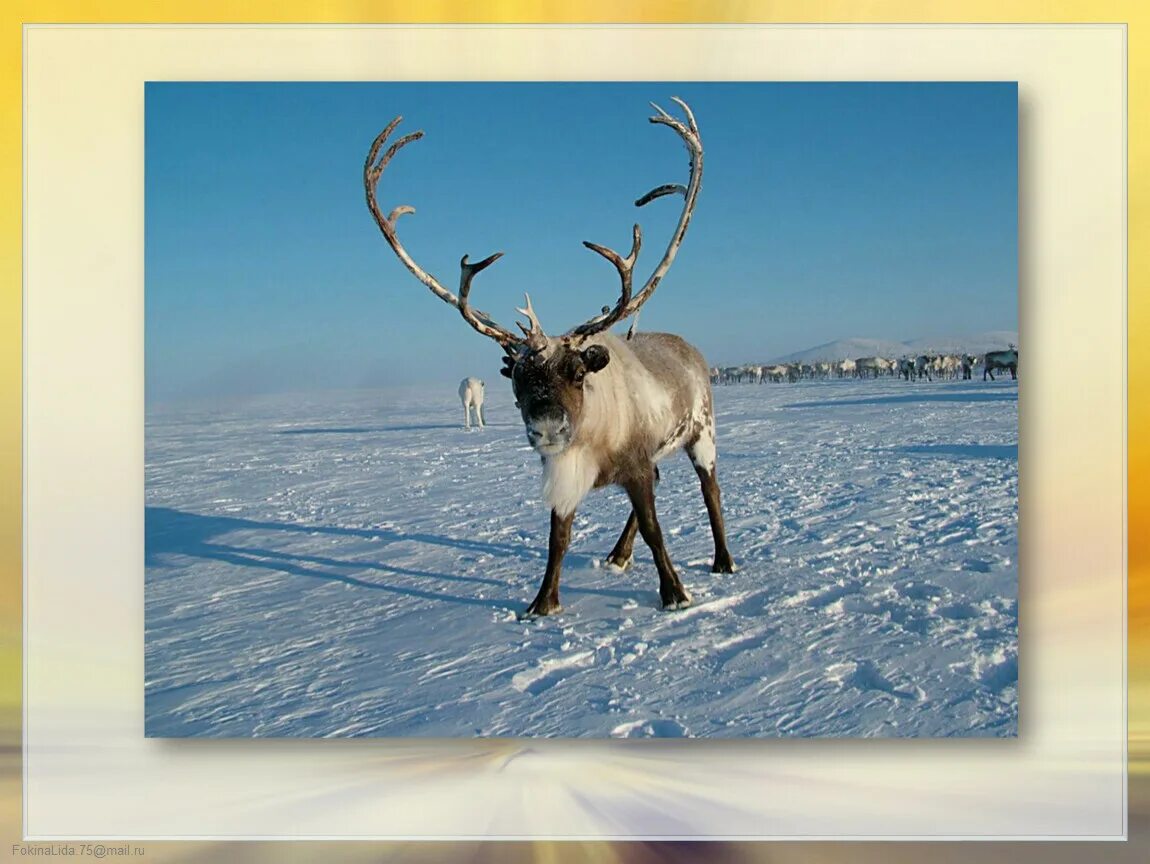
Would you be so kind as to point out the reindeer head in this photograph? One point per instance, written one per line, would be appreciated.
(548, 374)
(549, 385)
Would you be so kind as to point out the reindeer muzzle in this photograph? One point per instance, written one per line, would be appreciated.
(549, 435)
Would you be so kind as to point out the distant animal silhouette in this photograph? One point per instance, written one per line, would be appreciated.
(471, 395)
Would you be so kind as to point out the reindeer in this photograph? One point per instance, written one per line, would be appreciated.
(923, 364)
(598, 409)
(777, 372)
(948, 366)
(967, 361)
(471, 395)
(871, 367)
(1000, 360)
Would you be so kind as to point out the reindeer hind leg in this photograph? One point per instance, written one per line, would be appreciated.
(623, 554)
(641, 491)
(701, 452)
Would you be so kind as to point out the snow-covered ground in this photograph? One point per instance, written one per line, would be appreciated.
(352, 564)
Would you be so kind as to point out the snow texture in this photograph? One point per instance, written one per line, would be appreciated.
(353, 564)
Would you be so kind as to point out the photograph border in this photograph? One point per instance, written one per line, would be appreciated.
(1132, 468)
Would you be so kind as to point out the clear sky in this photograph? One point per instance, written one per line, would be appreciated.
(828, 211)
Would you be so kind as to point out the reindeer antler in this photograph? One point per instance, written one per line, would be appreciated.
(629, 305)
(372, 170)
(536, 338)
(625, 266)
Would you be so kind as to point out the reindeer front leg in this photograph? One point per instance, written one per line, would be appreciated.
(546, 602)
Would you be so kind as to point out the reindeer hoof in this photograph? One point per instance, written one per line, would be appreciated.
(680, 602)
(725, 565)
(620, 564)
(537, 610)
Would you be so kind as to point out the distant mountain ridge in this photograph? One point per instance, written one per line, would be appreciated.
(853, 348)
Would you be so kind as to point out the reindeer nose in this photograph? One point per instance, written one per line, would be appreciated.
(548, 430)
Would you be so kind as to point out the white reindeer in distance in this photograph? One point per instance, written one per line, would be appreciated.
(471, 395)
(598, 409)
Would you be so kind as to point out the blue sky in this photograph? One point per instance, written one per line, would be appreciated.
(884, 210)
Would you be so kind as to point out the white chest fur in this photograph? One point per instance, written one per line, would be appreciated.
(567, 478)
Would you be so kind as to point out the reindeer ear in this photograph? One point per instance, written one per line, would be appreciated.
(595, 357)
(508, 365)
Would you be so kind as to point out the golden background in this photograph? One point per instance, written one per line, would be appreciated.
(10, 410)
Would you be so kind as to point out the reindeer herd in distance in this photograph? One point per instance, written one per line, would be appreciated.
(944, 367)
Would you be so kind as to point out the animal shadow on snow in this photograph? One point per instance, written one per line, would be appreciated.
(168, 531)
(176, 532)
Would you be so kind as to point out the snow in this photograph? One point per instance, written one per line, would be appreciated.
(352, 564)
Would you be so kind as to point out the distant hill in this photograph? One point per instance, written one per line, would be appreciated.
(851, 349)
